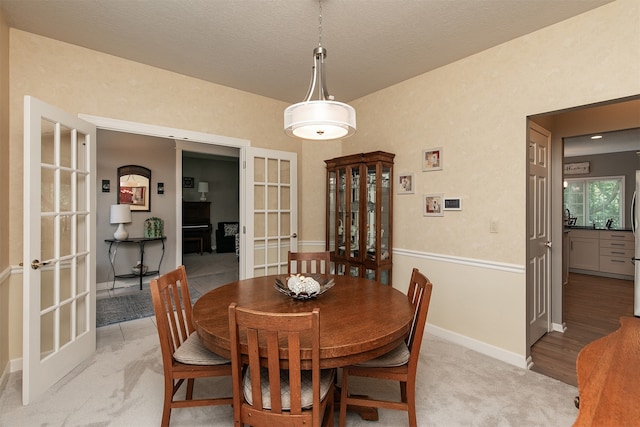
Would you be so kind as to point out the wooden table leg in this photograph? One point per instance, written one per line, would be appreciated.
(367, 413)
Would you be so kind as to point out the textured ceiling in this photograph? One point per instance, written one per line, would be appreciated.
(265, 46)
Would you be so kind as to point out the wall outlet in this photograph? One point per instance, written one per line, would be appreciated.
(493, 226)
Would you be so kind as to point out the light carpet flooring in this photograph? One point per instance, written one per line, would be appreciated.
(122, 385)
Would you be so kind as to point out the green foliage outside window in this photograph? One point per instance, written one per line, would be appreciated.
(593, 201)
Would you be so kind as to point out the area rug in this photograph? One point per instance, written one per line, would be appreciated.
(127, 307)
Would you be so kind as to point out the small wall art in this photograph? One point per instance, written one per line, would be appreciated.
(405, 183)
(432, 159)
(452, 204)
(432, 205)
(188, 182)
(106, 185)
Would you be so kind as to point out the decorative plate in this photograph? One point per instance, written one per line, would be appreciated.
(325, 283)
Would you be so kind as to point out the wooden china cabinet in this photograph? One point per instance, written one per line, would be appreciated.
(360, 214)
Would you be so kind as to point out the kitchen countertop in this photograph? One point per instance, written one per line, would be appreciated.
(584, 227)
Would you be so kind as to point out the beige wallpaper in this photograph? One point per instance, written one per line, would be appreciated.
(475, 109)
(4, 191)
(79, 80)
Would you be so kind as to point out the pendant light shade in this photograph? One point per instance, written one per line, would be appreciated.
(320, 120)
(323, 118)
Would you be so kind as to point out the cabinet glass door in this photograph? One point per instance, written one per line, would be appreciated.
(332, 230)
(354, 215)
(372, 245)
(385, 212)
(342, 212)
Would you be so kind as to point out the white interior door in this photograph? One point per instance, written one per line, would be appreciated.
(272, 211)
(59, 302)
(538, 233)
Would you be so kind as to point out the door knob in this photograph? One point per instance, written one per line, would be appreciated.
(36, 264)
(548, 244)
(294, 235)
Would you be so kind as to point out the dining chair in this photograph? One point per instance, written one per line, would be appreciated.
(183, 354)
(309, 262)
(274, 390)
(399, 364)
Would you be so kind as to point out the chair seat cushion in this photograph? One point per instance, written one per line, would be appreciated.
(193, 352)
(326, 379)
(396, 357)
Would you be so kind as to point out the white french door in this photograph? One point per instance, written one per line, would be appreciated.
(59, 302)
(272, 210)
(538, 233)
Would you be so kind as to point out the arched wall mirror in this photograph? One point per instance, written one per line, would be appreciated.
(133, 187)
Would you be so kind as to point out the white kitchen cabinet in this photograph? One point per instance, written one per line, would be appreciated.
(601, 252)
(616, 251)
(584, 250)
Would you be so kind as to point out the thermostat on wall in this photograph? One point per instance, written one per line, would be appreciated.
(452, 204)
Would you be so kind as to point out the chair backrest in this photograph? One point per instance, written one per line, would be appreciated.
(172, 307)
(266, 334)
(419, 295)
(309, 262)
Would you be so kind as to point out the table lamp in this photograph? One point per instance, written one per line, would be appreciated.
(120, 214)
(203, 187)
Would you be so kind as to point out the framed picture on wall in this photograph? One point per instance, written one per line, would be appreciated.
(432, 159)
(405, 183)
(452, 204)
(188, 182)
(432, 205)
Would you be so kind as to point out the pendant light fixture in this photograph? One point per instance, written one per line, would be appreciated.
(322, 118)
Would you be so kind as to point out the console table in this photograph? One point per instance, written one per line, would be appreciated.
(141, 242)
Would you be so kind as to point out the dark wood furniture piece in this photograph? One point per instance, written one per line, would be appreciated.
(361, 319)
(183, 356)
(141, 242)
(278, 396)
(608, 378)
(360, 214)
(226, 236)
(400, 364)
(309, 262)
(196, 227)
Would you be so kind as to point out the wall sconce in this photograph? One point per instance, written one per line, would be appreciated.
(120, 214)
(203, 187)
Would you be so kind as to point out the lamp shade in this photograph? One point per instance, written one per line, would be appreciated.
(320, 120)
(120, 214)
(203, 187)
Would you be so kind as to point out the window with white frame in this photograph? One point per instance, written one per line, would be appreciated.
(595, 201)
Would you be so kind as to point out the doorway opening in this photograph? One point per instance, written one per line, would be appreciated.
(601, 117)
(164, 154)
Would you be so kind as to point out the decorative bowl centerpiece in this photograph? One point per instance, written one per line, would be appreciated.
(303, 287)
(139, 269)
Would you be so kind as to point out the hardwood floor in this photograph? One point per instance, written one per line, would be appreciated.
(592, 307)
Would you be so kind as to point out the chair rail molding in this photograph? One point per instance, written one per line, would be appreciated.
(472, 262)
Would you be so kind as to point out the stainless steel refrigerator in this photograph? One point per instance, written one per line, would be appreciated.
(635, 222)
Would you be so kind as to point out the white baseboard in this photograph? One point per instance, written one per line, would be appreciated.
(479, 346)
(559, 327)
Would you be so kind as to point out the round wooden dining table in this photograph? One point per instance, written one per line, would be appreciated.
(360, 319)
